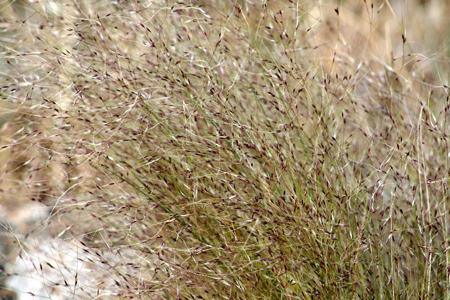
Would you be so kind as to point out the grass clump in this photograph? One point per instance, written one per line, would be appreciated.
(241, 150)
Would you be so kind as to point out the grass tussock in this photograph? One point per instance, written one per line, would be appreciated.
(239, 149)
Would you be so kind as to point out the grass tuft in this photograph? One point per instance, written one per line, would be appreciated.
(237, 149)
